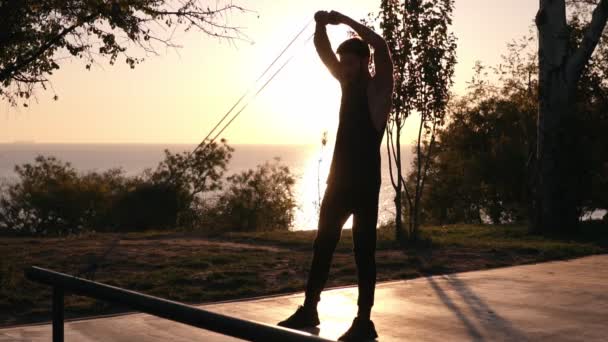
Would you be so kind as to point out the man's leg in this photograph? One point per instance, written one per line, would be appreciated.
(364, 238)
(333, 215)
(365, 219)
(335, 210)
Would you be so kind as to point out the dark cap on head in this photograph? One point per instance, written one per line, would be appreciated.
(355, 46)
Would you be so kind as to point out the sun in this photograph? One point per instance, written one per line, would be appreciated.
(298, 104)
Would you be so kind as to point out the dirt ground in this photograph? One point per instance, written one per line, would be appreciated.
(196, 268)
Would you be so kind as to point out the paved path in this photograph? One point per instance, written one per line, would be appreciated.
(555, 301)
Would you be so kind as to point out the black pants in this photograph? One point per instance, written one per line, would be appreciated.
(337, 205)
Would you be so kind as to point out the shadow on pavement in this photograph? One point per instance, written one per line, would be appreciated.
(484, 319)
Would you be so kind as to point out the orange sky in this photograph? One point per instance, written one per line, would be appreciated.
(178, 96)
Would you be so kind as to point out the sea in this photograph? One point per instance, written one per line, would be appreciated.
(308, 163)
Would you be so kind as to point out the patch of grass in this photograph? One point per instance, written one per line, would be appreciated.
(303, 240)
(193, 267)
(513, 238)
(292, 239)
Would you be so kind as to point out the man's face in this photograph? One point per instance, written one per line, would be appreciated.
(351, 65)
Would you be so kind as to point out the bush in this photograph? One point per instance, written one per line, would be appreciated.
(194, 173)
(148, 206)
(257, 200)
(50, 198)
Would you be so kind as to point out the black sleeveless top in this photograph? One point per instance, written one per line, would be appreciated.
(356, 159)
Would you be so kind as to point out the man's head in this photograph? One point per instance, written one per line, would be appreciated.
(354, 58)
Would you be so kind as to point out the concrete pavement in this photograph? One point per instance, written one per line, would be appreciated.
(554, 301)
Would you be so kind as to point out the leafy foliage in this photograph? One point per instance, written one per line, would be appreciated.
(480, 164)
(197, 172)
(589, 124)
(147, 205)
(192, 175)
(185, 190)
(51, 198)
(36, 35)
(424, 56)
(260, 199)
(485, 156)
(566, 44)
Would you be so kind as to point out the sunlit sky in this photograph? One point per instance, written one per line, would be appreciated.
(177, 96)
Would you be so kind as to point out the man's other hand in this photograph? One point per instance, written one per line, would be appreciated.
(322, 17)
(335, 18)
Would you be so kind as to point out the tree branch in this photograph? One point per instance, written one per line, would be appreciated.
(586, 2)
(390, 159)
(428, 156)
(9, 71)
(408, 196)
(592, 36)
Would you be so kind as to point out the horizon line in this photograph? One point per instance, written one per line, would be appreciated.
(27, 142)
(32, 142)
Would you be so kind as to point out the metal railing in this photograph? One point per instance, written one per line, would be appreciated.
(175, 311)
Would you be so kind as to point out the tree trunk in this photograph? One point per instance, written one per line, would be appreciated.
(398, 214)
(399, 191)
(556, 91)
(559, 72)
(557, 203)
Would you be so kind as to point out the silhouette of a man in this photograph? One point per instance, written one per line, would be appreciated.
(353, 184)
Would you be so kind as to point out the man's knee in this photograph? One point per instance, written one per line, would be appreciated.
(365, 255)
(328, 233)
(364, 236)
(325, 242)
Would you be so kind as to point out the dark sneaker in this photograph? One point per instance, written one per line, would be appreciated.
(360, 330)
(302, 318)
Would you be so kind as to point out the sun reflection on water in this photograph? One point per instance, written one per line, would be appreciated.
(310, 189)
(311, 171)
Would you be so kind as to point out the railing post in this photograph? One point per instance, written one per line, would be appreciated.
(58, 296)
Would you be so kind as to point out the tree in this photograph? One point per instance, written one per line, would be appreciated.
(258, 199)
(197, 172)
(423, 52)
(484, 159)
(51, 198)
(36, 35)
(187, 177)
(480, 163)
(561, 65)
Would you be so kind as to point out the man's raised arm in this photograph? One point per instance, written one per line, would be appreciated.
(323, 45)
(382, 56)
